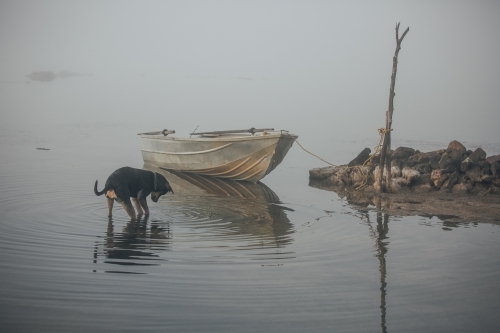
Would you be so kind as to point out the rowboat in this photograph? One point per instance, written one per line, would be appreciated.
(247, 155)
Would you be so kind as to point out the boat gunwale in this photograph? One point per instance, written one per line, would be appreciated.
(220, 138)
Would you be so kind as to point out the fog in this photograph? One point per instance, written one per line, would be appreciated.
(320, 69)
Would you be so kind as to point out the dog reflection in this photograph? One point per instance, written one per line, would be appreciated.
(135, 241)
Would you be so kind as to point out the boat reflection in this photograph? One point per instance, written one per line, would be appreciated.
(245, 209)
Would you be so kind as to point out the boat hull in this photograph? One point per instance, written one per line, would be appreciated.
(248, 158)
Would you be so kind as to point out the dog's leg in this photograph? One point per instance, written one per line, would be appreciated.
(127, 205)
(137, 206)
(144, 205)
(110, 206)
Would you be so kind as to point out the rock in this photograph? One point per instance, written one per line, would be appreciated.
(450, 182)
(423, 179)
(495, 169)
(438, 177)
(455, 145)
(400, 181)
(493, 159)
(418, 158)
(460, 189)
(342, 176)
(478, 155)
(360, 176)
(486, 170)
(395, 172)
(361, 158)
(403, 153)
(474, 174)
(450, 161)
(398, 163)
(453, 170)
(395, 187)
(424, 188)
(424, 167)
(376, 174)
(411, 175)
(466, 164)
(322, 173)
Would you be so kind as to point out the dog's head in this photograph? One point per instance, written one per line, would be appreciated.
(162, 188)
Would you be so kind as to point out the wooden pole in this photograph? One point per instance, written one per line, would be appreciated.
(385, 153)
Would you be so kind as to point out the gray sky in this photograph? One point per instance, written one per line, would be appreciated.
(318, 68)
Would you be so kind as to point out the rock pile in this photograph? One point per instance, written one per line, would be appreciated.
(455, 169)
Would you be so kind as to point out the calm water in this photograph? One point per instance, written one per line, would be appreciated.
(223, 256)
(217, 256)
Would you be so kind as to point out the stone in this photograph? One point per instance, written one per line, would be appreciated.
(478, 155)
(450, 182)
(485, 171)
(495, 189)
(493, 159)
(343, 176)
(460, 189)
(395, 187)
(395, 172)
(403, 153)
(398, 163)
(361, 158)
(423, 179)
(480, 189)
(411, 175)
(455, 145)
(466, 164)
(450, 161)
(424, 167)
(474, 174)
(438, 177)
(322, 173)
(360, 176)
(426, 157)
(399, 180)
(495, 169)
(424, 188)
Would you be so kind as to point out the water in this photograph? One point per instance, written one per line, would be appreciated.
(222, 256)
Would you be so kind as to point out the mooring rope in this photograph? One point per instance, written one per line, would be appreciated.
(368, 162)
(307, 151)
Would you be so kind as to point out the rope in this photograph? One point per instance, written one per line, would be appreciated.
(368, 162)
(307, 151)
(376, 151)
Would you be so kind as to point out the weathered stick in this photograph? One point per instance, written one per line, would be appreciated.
(385, 155)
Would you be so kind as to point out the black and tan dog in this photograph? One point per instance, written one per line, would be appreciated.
(126, 183)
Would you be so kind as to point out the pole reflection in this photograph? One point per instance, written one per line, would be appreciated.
(380, 235)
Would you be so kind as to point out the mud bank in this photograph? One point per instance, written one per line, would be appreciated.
(452, 182)
(445, 206)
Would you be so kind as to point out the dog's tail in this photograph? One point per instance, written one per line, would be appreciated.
(99, 193)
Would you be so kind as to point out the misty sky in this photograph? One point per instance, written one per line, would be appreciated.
(317, 68)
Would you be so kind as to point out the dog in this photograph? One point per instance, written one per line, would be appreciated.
(126, 183)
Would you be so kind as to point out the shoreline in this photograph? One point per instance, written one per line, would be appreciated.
(454, 182)
(446, 206)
